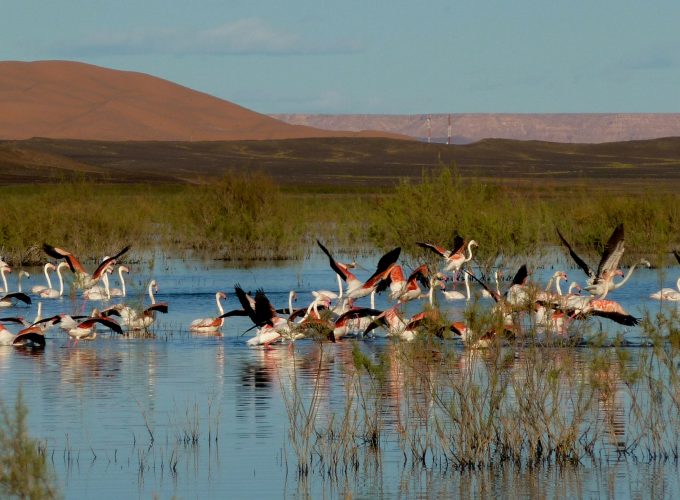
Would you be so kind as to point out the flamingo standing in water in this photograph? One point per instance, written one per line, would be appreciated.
(84, 280)
(455, 258)
(50, 293)
(47, 268)
(22, 273)
(135, 320)
(669, 294)
(5, 269)
(209, 325)
(263, 315)
(32, 336)
(355, 288)
(452, 295)
(117, 292)
(86, 329)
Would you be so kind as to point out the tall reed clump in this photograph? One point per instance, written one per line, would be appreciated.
(516, 220)
(242, 215)
(86, 218)
(23, 468)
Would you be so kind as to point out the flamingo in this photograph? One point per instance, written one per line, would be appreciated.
(669, 294)
(455, 258)
(32, 336)
(518, 294)
(117, 292)
(50, 293)
(405, 329)
(86, 329)
(355, 288)
(143, 320)
(472, 339)
(452, 295)
(601, 281)
(263, 315)
(10, 299)
(408, 289)
(39, 288)
(21, 274)
(4, 270)
(210, 324)
(605, 309)
(83, 278)
(135, 320)
(97, 293)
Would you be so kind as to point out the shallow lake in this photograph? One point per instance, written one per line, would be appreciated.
(195, 415)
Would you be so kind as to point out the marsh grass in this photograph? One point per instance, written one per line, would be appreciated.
(250, 217)
(24, 472)
(521, 405)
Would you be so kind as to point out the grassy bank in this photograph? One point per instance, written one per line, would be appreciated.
(251, 217)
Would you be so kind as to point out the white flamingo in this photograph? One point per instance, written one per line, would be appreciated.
(210, 324)
(46, 269)
(50, 293)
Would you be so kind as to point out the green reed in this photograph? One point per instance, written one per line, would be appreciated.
(24, 472)
(523, 403)
(249, 216)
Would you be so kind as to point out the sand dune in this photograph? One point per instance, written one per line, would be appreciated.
(63, 99)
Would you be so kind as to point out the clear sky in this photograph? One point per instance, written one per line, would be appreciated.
(363, 56)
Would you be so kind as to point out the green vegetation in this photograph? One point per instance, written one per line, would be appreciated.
(521, 405)
(24, 472)
(251, 217)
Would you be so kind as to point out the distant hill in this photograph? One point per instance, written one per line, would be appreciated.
(371, 164)
(471, 127)
(71, 100)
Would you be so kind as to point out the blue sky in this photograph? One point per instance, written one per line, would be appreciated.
(354, 56)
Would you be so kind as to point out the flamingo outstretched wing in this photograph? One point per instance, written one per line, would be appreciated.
(613, 251)
(579, 261)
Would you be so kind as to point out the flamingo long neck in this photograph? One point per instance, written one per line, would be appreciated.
(4, 278)
(290, 299)
(122, 281)
(467, 286)
(46, 270)
(153, 299)
(574, 285)
(625, 278)
(469, 253)
(430, 295)
(61, 281)
(557, 285)
(373, 299)
(550, 283)
(339, 287)
(219, 304)
(21, 274)
(38, 315)
(498, 287)
(106, 286)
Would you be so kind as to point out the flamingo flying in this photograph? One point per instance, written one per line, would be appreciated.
(455, 258)
(355, 288)
(84, 280)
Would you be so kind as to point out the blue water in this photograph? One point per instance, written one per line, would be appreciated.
(113, 412)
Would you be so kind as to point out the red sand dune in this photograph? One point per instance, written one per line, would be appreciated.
(63, 99)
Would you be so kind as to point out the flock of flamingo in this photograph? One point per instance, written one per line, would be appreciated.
(336, 315)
